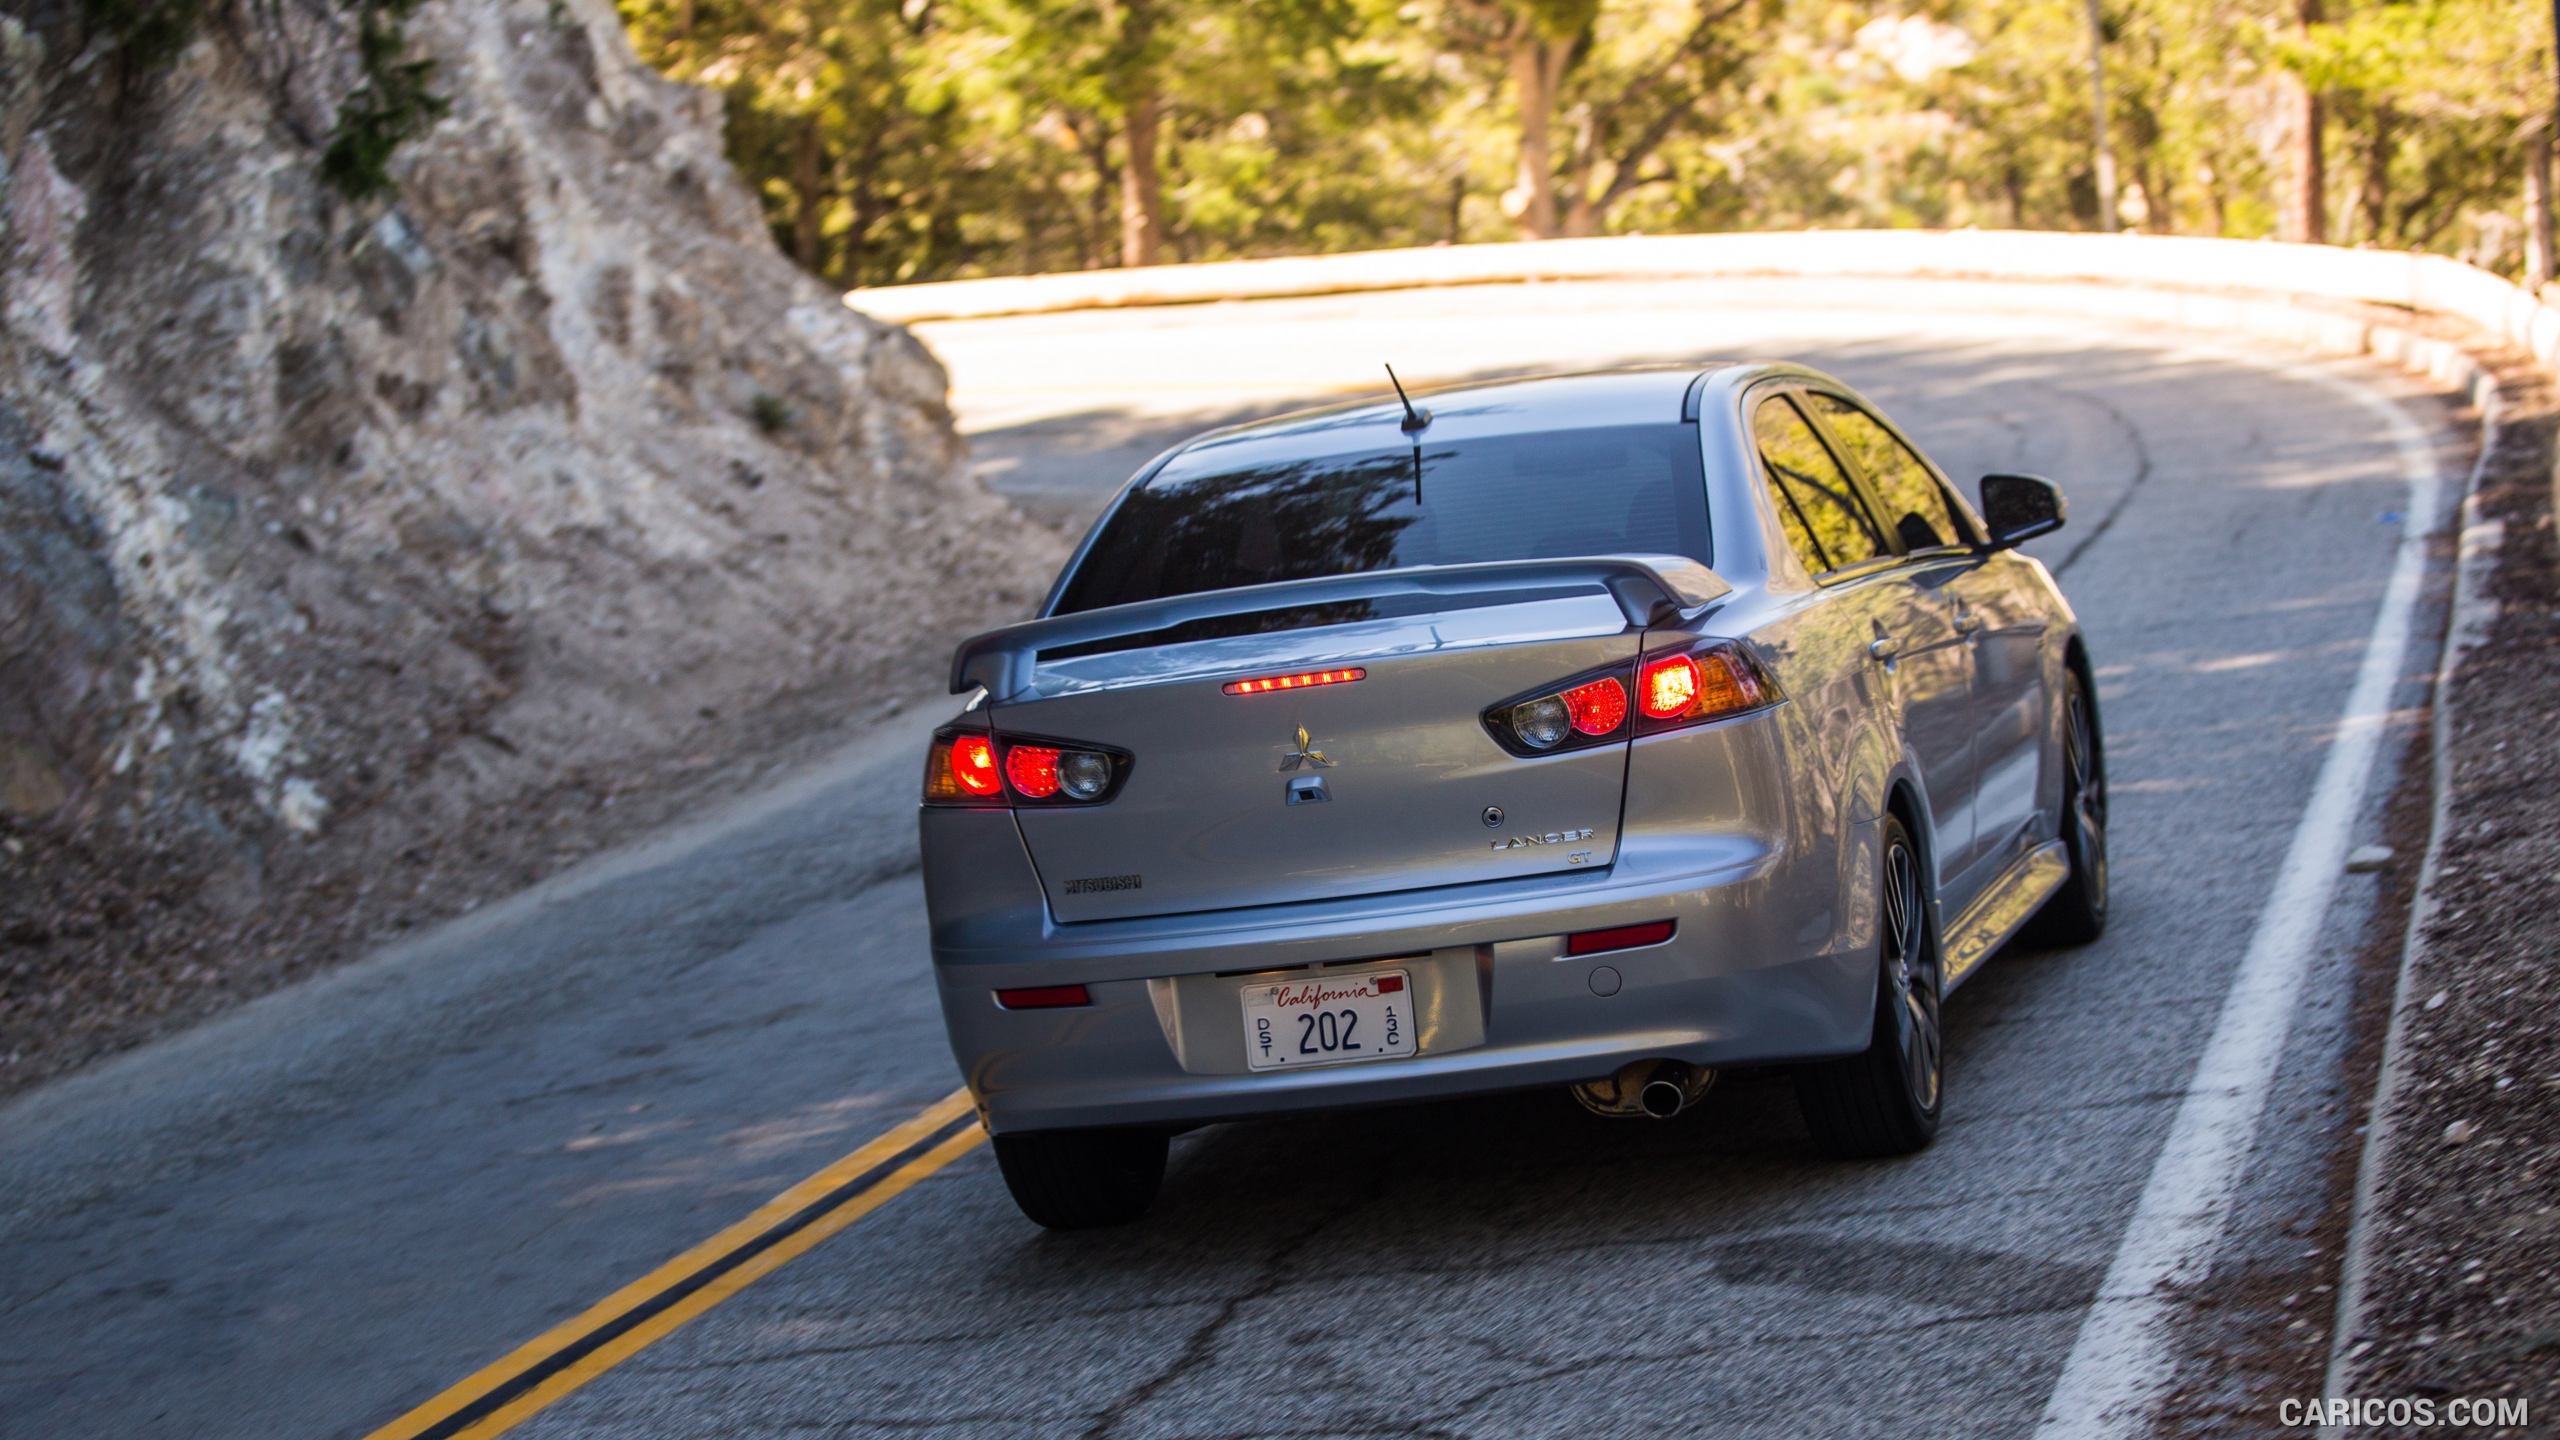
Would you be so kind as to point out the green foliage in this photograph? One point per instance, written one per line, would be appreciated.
(900, 140)
(392, 104)
(144, 33)
(770, 412)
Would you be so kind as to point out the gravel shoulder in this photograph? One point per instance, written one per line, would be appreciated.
(2463, 1235)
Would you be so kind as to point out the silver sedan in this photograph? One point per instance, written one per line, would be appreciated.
(1592, 730)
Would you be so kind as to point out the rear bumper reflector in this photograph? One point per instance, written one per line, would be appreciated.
(1622, 937)
(1044, 997)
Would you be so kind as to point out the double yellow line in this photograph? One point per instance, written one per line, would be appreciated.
(640, 1314)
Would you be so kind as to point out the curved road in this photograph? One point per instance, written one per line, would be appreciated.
(319, 1212)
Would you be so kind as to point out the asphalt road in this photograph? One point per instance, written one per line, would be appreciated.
(322, 1210)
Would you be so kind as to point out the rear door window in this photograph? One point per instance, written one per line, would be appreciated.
(1208, 522)
(1915, 505)
(1819, 509)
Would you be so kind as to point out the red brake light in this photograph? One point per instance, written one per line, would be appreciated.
(1299, 681)
(1044, 997)
(1668, 685)
(1708, 683)
(973, 765)
(1033, 769)
(1622, 937)
(972, 768)
(1598, 708)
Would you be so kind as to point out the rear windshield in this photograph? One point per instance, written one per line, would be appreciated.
(1610, 491)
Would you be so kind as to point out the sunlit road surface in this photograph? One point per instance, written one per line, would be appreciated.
(339, 1211)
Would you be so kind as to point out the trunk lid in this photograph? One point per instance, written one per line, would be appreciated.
(1408, 773)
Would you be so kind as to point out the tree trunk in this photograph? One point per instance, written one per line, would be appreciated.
(2307, 215)
(2108, 217)
(1537, 70)
(1142, 108)
(1093, 235)
(1141, 186)
(2539, 260)
(2151, 178)
(2373, 203)
(809, 200)
(1582, 212)
(2537, 205)
(868, 211)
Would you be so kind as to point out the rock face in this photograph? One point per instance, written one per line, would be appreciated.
(338, 534)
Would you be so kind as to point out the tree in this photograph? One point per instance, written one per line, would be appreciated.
(895, 140)
(1094, 69)
(1141, 95)
(2109, 201)
(2446, 102)
(2540, 264)
(831, 111)
(1625, 79)
(2307, 213)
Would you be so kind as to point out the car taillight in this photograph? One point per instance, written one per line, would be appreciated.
(1714, 681)
(1699, 682)
(961, 768)
(972, 767)
(1087, 774)
(1032, 770)
(1598, 708)
(1575, 713)
(1668, 685)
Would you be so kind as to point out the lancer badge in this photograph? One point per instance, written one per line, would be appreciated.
(1306, 754)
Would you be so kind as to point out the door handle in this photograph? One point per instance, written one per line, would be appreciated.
(1967, 622)
(1883, 648)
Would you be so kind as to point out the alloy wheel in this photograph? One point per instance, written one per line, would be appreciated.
(1911, 969)
(2088, 796)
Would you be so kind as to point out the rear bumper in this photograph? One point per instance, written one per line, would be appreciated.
(1770, 961)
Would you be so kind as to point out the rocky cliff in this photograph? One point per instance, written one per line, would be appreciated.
(346, 547)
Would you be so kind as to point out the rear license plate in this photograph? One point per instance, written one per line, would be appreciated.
(1292, 1024)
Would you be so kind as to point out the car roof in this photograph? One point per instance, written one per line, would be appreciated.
(1537, 404)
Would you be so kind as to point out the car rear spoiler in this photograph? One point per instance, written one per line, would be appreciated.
(1651, 590)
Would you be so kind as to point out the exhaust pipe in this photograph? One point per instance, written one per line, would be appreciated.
(1662, 1098)
(1656, 1088)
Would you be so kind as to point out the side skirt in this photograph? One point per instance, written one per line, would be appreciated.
(1998, 912)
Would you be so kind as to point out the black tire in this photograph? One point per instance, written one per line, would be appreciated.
(2077, 913)
(1083, 1179)
(1885, 1099)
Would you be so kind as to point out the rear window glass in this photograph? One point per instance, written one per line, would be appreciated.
(1606, 491)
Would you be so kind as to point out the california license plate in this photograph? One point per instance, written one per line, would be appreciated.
(1292, 1024)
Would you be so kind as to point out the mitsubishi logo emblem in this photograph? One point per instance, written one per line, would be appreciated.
(1306, 754)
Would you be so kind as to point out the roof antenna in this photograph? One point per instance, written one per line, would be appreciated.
(1414, 419)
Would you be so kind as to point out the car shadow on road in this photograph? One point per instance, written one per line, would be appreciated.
(1520, 1184)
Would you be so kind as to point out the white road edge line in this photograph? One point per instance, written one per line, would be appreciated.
(2119, 1366)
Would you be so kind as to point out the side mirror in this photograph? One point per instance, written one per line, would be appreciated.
(2019, 508)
